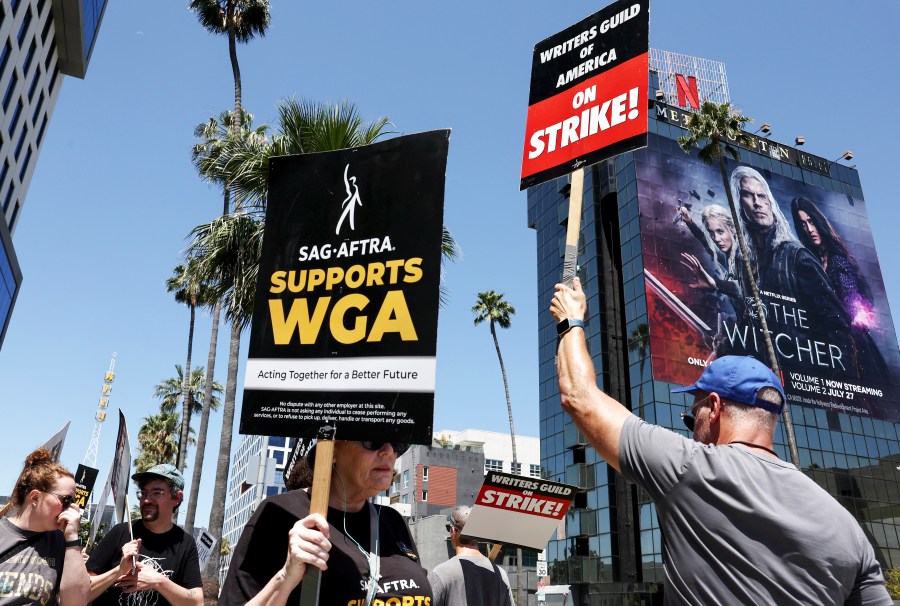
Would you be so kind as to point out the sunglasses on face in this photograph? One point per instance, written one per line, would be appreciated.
(64, 499)
(688, 418)
(399, 447)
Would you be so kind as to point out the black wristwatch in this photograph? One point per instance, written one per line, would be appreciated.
(568, 324)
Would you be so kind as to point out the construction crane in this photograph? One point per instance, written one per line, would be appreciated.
(90, 457)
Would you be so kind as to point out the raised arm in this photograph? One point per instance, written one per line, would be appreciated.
(598, 416)
(74, 585)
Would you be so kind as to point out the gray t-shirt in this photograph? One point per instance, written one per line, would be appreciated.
(31, 576)
(741, 527)
(469, 581)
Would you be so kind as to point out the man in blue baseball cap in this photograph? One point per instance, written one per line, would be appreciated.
(741, 526)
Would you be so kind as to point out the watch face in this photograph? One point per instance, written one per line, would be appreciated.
(562, 326)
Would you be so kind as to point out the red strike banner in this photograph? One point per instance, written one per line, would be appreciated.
(605, 110)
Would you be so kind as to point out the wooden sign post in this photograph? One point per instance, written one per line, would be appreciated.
(318, 503)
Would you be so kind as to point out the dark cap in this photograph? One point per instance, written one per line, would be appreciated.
(739, 379)
(164, 471)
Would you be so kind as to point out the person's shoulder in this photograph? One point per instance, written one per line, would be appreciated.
(119, 530)
(295, 502)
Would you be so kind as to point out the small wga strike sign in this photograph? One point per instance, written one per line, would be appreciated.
(588, 97)
(344, 326)
(515, 510)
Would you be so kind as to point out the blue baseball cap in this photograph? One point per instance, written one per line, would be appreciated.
(739, 379)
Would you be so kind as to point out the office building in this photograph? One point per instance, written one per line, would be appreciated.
(40, 42)
(649, 331)
(256, 472)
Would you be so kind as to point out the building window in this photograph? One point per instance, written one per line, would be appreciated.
(28, 57)
(516, 468)
(4, 56)
(46, 30)
(25, 165)
(425, 473)
(9, 195)
(492, 465)
(41, 130)
(14, 122)
(21, 142)
(37, 109)
(34, 83)
(404, 498)
(10, 89)
(424, 496)
(406, 479)
(23, 29)
(535, 471)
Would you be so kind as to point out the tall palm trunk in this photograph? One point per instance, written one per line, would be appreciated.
(761, 312)
(217, 513)
(186, 397)
(520, 585)
(204, 420)
(238, 117)
(512, 427)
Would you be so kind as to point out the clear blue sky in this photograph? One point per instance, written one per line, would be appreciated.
(114, 194)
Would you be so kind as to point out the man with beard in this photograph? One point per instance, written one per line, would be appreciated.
(159, 564)
(806, 308)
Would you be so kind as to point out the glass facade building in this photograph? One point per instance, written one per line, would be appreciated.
(611, 549)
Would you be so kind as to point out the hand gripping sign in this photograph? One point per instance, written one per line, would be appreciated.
(516, 510)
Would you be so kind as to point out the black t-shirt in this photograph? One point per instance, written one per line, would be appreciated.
(262, 550)
(173, 553)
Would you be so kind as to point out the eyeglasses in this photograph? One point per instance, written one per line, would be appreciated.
(688, 418)
(399, 447)
(448, 527)
(64, 499)
(153, 495)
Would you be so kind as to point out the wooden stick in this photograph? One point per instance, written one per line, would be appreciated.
(318, 503)
(573, 229)
(495, 551)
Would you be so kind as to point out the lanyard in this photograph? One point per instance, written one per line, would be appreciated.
(372, 557)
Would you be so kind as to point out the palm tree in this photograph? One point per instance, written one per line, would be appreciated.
(228, 251)
(214, 135)
(240, 21)
(640, 342)
(156, 440)
(171, 392)
(490, 306)
(192, 292)
(715, 126)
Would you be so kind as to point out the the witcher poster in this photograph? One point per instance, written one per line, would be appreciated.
(811, 254)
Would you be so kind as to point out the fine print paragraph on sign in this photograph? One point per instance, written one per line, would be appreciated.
(335, 412)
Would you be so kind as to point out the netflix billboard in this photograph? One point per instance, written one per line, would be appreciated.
(588, 96)
(814, 260)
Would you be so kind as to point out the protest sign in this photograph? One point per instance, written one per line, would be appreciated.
(345, 319)
(588, 96)
(517, 510)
